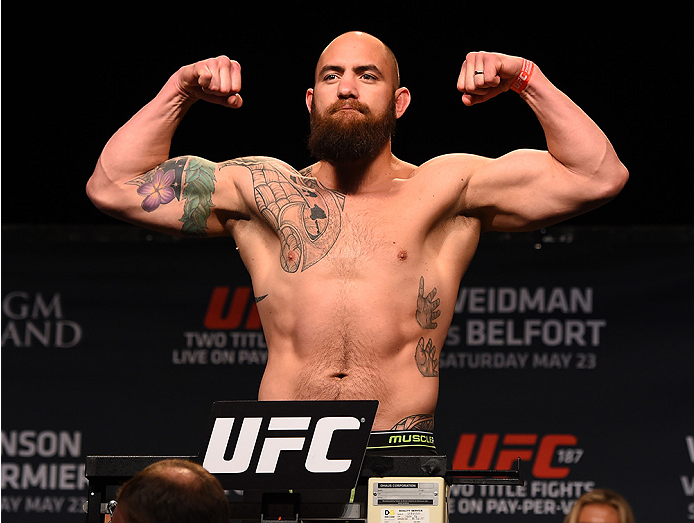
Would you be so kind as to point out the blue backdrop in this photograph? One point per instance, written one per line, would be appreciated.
(569, 348)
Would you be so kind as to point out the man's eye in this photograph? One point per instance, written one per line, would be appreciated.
(331, 76)
(368, 76)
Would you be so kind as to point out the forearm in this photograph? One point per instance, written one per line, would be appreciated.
(573, 138)
(145, 140)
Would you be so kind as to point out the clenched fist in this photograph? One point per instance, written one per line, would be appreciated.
(215, 80)
(485, 75)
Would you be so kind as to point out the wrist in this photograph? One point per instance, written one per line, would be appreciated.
(523, 78)
(179, 91)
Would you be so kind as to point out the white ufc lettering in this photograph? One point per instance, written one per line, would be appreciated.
(267, 463)
(214, 457)
(316, 459)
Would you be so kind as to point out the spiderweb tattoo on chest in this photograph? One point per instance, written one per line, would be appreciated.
(306, 215)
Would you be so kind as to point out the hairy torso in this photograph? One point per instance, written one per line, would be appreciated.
(356, 293)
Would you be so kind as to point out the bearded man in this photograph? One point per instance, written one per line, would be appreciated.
(350, 138)
(356, 260)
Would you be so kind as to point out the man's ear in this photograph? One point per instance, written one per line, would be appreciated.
(402, 101)
(309, 99)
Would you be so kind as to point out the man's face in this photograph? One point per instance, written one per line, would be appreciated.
(354, 103)
(349, 131)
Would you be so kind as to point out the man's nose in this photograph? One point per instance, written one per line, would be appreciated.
(347, 87)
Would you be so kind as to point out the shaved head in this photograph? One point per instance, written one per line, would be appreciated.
(358, 39)
(355, 101)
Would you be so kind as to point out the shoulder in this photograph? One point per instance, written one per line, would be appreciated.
(250, 171)
(452, 163)
(448, 179)
(256, 162)
(268, 179)
(450, 170)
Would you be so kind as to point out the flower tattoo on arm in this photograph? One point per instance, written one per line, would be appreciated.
(158, 191)
(165, 183)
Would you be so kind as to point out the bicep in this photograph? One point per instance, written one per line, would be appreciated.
(525, 190)
(187, 196)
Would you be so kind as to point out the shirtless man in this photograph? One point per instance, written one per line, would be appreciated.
(356, 260)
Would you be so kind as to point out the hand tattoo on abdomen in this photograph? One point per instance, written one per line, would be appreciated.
(425, 354)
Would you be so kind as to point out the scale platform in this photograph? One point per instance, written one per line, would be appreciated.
(304, 461)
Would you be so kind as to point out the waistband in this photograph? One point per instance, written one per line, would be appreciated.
(412, 440)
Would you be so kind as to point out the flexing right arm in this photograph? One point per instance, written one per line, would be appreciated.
(134, 179)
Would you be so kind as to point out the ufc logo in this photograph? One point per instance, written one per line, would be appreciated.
(272, 447)
(528, 447)
(224, 313)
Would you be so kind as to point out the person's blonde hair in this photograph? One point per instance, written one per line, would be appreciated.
(604, 497)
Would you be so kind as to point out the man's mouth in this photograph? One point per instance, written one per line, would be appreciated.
(347, 107)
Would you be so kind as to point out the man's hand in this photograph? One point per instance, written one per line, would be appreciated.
(485, 75)
(215, 80)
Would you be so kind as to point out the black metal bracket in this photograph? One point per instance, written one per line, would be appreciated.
(486, 477)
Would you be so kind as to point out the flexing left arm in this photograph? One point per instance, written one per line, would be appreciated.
(528, 189)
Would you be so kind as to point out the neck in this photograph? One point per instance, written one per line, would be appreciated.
(361, 175)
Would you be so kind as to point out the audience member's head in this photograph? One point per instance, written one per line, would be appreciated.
(169, 491)
(600, 506)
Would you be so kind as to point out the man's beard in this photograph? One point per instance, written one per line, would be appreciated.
(350, 137)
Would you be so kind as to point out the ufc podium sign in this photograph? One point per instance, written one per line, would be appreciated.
(277, 445)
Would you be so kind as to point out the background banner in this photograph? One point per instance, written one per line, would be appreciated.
(570, 348)
(575, 355)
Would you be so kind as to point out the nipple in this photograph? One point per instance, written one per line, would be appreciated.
(402, 255)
